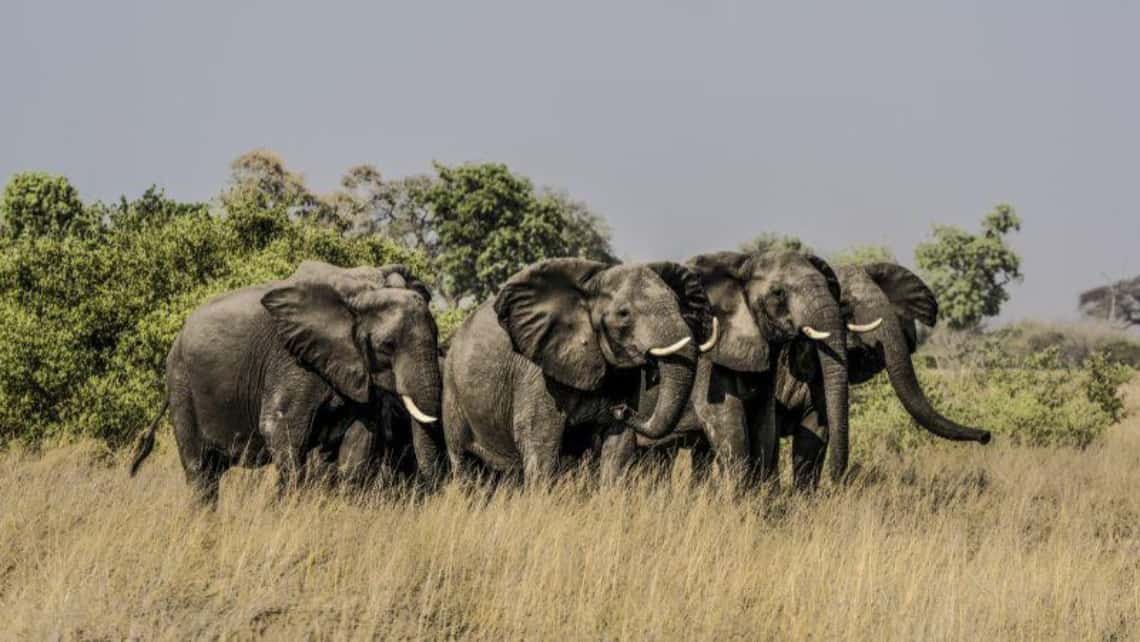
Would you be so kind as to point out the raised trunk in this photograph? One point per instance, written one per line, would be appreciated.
(677, 374)
(900, 371)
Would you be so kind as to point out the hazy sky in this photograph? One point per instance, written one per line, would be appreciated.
(690, 126)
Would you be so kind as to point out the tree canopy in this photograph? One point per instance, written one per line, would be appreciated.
(970, 273)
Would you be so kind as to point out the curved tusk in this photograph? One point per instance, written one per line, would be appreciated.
(812, 333)
(668, 350)
(708, 345)
(415, 412)
(866, 327)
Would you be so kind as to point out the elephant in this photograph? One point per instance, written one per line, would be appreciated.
(261, 374)
(761, 302)
(882, 302)
(357, 448)
(555, 361)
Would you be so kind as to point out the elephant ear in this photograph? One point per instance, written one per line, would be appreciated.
(316, 326)
(691, 296)
(911, 298)
(544, 310)
(828, 274)
(741, 345)
(397, 275)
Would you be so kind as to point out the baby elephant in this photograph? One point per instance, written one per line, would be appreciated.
(254, 373)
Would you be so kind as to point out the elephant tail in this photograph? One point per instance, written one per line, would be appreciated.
(146, 442)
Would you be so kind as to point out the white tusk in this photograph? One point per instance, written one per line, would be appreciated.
(866, 327)
(668, 350)
(415, 412)
(812, 333)
(708, 345)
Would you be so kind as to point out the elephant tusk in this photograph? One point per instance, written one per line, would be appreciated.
(708, 345)
(668, 350)
(415, 412)
(812, 333)
(866, 327)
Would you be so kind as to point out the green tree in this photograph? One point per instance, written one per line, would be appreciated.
(40, 204)
(262, 192)
(861, 255)
(769, 241)
(490, 224)
(970, 273)
(152, 209)
(584, 232)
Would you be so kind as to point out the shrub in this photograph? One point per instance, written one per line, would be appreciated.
(1036, 400)
(86, 320)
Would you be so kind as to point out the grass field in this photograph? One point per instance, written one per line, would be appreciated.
(953, 543)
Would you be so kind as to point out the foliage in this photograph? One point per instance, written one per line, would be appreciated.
(969, 273)
(769, 241)
(862, 255)
(260, 182)
(584, 232)
(1034, 400)
(85, 321)
(1074, 343)
(490, 224)
(38, 204)
(485, 206)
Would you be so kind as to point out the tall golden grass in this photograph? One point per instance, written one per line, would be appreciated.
(952, 543)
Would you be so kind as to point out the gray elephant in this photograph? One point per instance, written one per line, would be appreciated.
(555, 359)
(882, 302)
(260, 374)
(356, 448)
(761, 302)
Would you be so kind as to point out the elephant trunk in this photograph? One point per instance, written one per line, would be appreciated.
(833, 362)
(818, 317)
(900, 371)
(419, 384)
(677, 373)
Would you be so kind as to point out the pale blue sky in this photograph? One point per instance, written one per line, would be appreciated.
(690, 126)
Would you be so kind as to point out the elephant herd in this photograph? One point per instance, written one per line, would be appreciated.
(336, 373)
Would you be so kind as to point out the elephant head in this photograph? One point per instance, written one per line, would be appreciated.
(884, 300)
(362, 330)
(764, 299)
(578, 319)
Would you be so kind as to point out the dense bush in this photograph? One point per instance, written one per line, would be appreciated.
(1035, 400)
(1074, 343)
(86, 320)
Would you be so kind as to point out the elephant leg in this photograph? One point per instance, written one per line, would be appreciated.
(538, 427)
(619, 447)
(809, 448)
(356, 458)
(764, 438)
(703, 458)
(202, 466)
(456, 433)
(286, 421)
(727, 435)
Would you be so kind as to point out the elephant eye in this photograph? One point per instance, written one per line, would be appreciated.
(778, 292)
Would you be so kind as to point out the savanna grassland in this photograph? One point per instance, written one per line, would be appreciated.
(941, 543)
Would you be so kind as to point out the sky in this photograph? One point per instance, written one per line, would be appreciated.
(691, 126)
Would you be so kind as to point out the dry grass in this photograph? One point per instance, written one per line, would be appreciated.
(956, 543)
